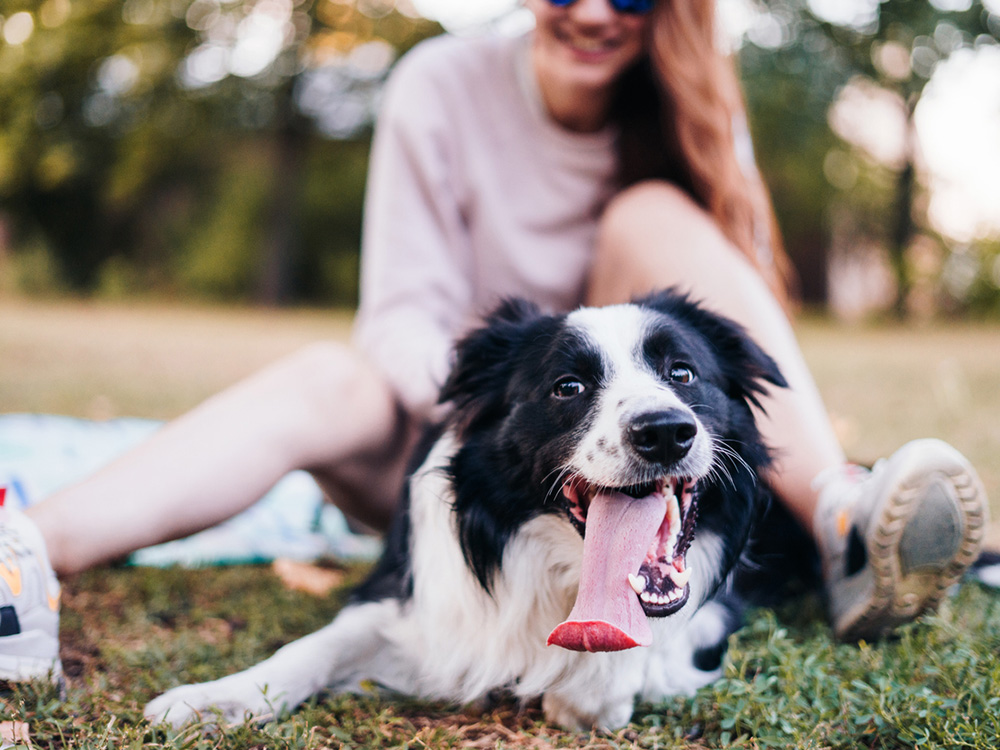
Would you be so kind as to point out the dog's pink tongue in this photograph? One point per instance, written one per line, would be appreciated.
(607, 615)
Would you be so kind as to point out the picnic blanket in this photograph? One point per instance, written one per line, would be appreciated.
(40, 454)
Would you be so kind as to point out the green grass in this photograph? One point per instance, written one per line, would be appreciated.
(129, 633)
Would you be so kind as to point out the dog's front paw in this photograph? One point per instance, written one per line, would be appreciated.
(230, 700)
(571, 714)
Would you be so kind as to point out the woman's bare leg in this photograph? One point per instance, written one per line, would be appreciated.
(322, 408)
(654, 236)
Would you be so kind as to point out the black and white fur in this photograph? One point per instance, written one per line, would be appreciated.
(484, 559)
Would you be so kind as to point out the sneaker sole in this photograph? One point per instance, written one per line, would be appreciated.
(14, 668)
(899, 592)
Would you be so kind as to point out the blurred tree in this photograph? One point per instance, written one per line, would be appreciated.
(83, 129)
(117, 121)
(788, 96)
(977, 279)
(220, 146)
(895, 45)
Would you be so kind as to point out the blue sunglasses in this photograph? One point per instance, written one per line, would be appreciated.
(635, 7)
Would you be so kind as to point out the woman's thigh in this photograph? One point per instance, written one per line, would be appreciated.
(653, 235)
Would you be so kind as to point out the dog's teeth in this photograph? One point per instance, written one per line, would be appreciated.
(671, 543)
(680, 577)
(674, 513)
(646, 597)
(685, 492)
(638, 583)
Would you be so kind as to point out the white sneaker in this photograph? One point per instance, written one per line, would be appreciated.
(29, 602)
(894, 540)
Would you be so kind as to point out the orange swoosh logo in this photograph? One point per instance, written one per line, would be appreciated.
(12, 578)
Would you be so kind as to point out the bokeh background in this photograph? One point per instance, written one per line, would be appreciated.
(216, 149)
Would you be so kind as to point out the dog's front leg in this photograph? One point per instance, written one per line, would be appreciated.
(330, 657)
(567, 711)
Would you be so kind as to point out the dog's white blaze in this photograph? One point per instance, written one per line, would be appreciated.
(631, 388)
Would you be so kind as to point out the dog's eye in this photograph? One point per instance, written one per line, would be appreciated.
(568, 387)
(681, 373)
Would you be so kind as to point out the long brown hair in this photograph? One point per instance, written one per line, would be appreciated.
(676, 110)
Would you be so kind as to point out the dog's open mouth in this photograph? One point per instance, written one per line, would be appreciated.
(634, 565)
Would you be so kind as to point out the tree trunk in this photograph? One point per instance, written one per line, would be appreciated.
(281, 245)
(903, 229)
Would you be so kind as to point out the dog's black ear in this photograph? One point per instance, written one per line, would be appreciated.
(479, 378)
(745, 365)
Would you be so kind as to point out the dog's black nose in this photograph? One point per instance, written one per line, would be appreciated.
(663, 437)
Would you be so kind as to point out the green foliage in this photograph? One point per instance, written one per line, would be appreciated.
(113, 146)
(220, 255)
(331, 204)
(110, 146)
(33, 270)
(792, 142)
(119, 279)
(794, 74)
(971, 279)
(788, 685)
(67, 141)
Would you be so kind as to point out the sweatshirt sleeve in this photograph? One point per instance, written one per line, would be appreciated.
(416, 260)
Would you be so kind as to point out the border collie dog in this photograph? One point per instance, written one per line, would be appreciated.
(568, 532)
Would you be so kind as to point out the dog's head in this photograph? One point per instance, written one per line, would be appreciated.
(633, 421)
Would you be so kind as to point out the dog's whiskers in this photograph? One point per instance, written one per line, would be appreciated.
(561, 473)
(718, 470)
(717, 473)
(723, 449)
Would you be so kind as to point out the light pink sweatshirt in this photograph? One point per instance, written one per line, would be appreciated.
(473, 195)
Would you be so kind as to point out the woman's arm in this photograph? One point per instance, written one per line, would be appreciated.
(415, 268)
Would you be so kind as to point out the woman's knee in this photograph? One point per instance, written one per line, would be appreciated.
(654, 235)
(650, 197)
(650, 204)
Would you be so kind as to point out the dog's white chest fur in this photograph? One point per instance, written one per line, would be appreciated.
(471, 642)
